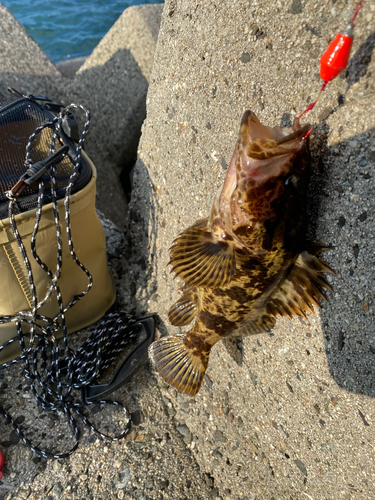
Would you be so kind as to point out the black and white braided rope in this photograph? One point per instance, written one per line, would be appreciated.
(55, 377)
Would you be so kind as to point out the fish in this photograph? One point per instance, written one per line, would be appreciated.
(250, 260)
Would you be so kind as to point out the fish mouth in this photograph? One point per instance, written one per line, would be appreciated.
(258, 138)
(264, 150)
(298, 134)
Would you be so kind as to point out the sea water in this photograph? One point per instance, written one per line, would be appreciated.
(67, 29)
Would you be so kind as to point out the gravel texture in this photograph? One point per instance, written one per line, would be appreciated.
(152, 462)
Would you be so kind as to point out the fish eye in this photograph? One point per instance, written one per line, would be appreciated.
(292, 181)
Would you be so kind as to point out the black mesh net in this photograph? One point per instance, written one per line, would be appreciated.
(18, 121)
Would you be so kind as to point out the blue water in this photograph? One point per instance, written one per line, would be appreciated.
(67, 29)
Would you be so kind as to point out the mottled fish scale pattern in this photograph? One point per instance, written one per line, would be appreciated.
(249, 262)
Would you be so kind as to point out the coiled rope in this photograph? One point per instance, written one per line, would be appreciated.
(53, 374)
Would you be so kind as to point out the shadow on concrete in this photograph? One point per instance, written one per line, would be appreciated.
(350, 355)
(348, 331)
(115, 93)
(42, 85)
(142, 234)
(358, 64)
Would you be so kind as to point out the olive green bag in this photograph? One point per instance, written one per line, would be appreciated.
(54, 274)
(19, 120)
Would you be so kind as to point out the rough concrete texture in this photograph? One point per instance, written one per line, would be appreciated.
(289, 414)
(112, 83)
(24, 65)
(153, 460)
(69, 67)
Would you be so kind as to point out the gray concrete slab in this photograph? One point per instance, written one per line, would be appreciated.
(69, 67)
(24, 65)
(289, 414)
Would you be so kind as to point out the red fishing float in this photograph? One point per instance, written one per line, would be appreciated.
(2, 463)
(335, 58)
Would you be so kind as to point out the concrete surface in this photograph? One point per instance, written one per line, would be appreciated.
(290, 414)
(24, 65)
(112, 83)
(151, 462)
(284, 415)
(69, 67)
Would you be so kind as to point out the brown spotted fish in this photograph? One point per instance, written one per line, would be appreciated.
(250, 261)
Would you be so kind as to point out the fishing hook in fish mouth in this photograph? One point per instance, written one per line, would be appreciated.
(294, 135)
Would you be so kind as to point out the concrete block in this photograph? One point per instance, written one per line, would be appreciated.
(294, 408)
(69, 67)
(112, 83)
(23, 64)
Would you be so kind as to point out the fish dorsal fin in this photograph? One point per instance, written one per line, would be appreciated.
(302, 289)
(185, 309)
(262, 323)
(201, 259)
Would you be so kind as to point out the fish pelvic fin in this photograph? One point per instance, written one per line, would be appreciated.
(201, 259)
(302, 289)
(185, 309)
(179, 365)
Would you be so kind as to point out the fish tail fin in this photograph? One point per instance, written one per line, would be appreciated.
(178, 364)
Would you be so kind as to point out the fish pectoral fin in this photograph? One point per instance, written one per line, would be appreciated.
(302, 289)
(185, 309)
(201, 259)
(179, 365)
(263, 323)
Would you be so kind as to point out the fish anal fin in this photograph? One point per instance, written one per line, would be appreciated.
(302, 289)
(201, 259)
(178, 364)
(185, 309)
(263, 323)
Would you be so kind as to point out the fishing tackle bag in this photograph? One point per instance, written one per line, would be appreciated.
(53, 271)
(23, 129)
